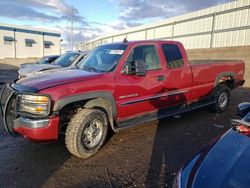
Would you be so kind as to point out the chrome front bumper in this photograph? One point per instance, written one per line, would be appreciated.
(30, 123)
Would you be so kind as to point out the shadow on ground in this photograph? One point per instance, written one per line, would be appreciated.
(195, 130)
(8, 73)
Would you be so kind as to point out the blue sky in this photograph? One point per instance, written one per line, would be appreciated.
(94, 18)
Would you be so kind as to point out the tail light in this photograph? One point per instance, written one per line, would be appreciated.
(241, 126)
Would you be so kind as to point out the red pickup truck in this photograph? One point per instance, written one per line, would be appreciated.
(116, 86)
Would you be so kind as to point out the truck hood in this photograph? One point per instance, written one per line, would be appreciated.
(34, 68)
(49, 79)
(226, 165)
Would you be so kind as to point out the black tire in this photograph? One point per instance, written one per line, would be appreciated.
(81, 129)
(221, 95)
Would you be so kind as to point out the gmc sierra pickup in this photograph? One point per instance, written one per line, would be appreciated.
(116, 86)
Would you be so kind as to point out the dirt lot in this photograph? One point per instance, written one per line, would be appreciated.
(146, 156)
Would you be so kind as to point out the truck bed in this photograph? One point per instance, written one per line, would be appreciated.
(206, 72)
(209, 61)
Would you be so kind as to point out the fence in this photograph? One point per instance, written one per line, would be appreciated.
(219, 26)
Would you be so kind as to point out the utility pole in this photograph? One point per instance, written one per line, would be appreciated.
(72, 33)
(71, 12)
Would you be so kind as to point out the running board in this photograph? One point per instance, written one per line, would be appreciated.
(162, 113)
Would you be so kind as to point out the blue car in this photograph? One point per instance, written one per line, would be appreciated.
(224, 163)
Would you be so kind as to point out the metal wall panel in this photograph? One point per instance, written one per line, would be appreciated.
(161, 32)
(247, 39)
(136, 36)
(119, 38)
(219, 26)
(150, 34)
(107, 40)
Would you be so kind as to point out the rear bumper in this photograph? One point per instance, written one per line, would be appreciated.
(37, 130)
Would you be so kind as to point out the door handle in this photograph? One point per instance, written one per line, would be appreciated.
(161, 78)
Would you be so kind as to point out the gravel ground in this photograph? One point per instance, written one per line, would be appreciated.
(146, 156)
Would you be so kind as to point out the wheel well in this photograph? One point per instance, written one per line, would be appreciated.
(66, 113)
(69, 110)
(227, 80)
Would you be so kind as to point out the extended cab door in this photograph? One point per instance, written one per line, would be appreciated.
(135, 94)
(178, 81)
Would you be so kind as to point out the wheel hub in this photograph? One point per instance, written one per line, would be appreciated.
(223, 98)
(92, 134)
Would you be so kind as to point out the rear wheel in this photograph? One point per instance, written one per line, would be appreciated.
(86, 132)
(222, 98)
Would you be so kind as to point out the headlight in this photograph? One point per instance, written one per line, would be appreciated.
(33, 104)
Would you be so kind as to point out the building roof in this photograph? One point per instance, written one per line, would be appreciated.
(26, 29)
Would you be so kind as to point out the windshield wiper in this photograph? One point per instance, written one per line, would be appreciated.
(91, 69)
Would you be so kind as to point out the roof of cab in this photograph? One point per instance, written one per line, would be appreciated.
(144, 42)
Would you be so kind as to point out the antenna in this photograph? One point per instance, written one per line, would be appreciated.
(125, 40)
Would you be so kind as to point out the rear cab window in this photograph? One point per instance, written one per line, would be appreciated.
(173, 56)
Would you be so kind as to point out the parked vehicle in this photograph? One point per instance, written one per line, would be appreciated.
(44, 60)
(64, 60)
(116, 86)
(224, 163)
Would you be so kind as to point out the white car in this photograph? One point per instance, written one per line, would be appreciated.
(65, 60)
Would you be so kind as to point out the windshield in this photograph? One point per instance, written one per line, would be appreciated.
(43, 61)
(66, 59)
(103, 58)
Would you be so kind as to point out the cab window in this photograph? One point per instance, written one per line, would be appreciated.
(173, 56)
(146, 53)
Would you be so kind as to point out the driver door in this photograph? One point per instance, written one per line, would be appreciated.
(136, 95)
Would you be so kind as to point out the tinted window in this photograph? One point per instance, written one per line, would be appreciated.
(66, 59)
(146, 53)
(29, 44)
(47, 60)
(51, 59)
(173, 56)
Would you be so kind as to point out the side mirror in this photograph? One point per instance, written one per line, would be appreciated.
(137, 67)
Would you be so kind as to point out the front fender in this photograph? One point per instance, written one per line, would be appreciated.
(86, 96)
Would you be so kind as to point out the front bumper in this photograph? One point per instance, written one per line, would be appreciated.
(33, 129)
(37, 130)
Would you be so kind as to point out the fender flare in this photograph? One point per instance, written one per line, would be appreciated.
(101, 99)
(223, 74)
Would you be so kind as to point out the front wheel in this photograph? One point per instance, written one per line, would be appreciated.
(222, 98)
(86, 132)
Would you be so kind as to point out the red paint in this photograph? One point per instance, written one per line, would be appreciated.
(243, 129)
(198, 81)
(48, 133)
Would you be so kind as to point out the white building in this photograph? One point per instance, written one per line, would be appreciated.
(223, 25)
(25, 42)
